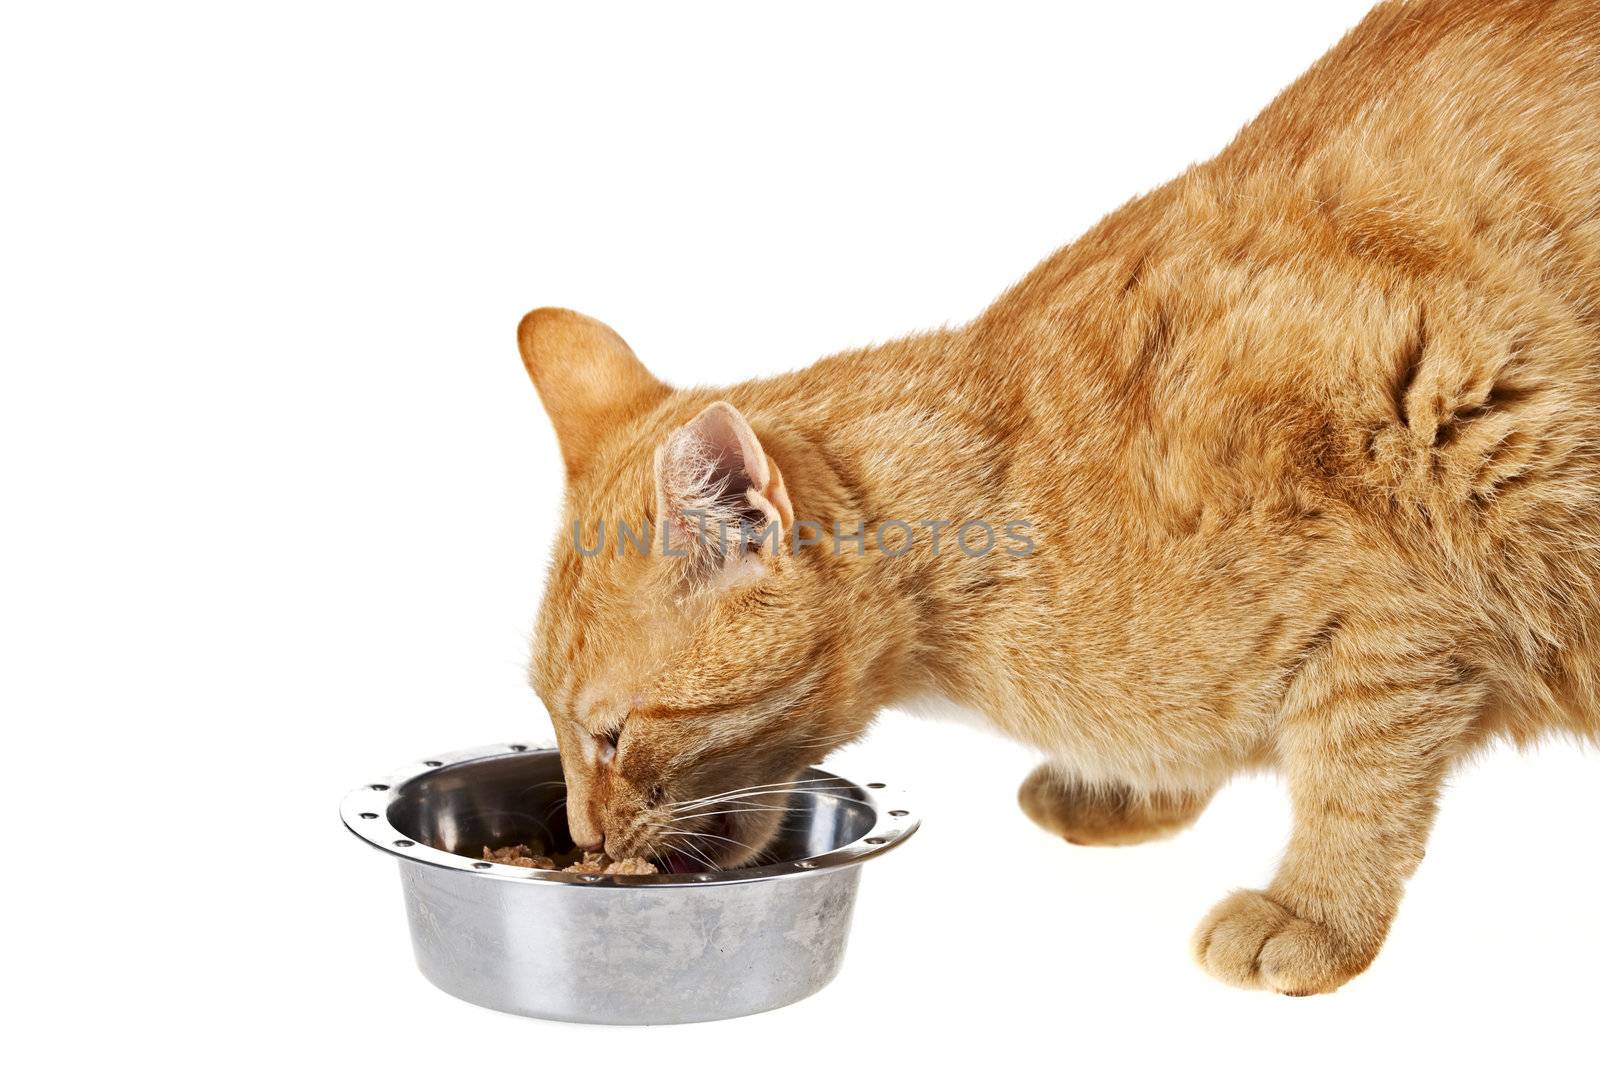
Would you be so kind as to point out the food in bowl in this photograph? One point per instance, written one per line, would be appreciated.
(533, 943)
(586, 863)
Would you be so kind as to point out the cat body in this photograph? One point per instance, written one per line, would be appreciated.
(1306, 445)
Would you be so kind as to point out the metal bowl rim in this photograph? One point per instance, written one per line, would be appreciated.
(370, 822)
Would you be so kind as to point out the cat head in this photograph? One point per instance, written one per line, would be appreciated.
(692, 653)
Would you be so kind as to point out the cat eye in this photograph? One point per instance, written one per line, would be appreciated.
(607, 743)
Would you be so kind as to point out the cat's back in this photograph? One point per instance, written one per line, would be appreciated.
(1392, 276)
(1438, 129)
(1366, 337)
(1460, 83)
(1429, 195)
(1442, 144)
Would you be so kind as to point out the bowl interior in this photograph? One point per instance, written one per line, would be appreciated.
(519, 798)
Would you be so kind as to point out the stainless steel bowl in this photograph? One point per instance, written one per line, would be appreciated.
(667, 948)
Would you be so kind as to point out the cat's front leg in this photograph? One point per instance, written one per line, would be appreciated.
(1365, 763)
(1105, 814)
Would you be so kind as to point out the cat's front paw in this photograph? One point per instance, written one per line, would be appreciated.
(1086, 814)
(1251, 940)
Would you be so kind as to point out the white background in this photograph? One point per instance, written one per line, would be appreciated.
(278, 497)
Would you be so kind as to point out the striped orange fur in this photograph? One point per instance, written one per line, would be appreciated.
(1308, 441)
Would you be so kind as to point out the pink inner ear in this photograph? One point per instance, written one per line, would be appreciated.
(718, 449)
(727, 435)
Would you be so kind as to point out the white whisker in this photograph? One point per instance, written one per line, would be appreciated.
(762, 785)
(825, 791)
(707, 860)
(730, 811)
(694, 833)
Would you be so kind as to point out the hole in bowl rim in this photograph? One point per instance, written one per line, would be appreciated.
(890, 831)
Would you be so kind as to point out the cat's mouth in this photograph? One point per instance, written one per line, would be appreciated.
(715, 842)
(736, 833)
(704, 847)
(679, 865)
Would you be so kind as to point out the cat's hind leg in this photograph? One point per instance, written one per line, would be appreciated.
(1097, 814)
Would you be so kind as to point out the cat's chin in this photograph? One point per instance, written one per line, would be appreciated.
(678, 865)
(724, 843)
(746, 839)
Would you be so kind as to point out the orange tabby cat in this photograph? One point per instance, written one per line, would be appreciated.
(1309, 443)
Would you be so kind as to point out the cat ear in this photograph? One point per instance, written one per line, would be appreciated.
(713, 475)
(587, 377)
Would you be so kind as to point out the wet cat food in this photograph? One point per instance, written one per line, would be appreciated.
(584, 863)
